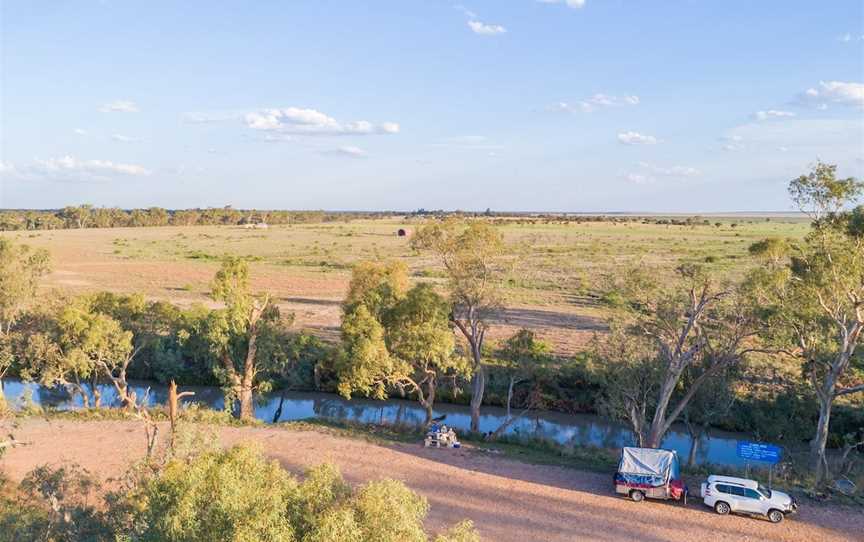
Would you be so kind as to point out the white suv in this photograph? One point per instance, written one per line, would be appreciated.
(727, 494)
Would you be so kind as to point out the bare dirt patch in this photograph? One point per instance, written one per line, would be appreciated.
(508, 500)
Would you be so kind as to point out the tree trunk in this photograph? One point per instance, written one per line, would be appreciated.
(427, 400)
(94, 388)
(658, 424)
(817, 445)
(478, 386)
(247, 410)
(3, 405)
(695, 437)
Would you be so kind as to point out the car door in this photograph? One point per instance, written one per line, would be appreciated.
(749, 500)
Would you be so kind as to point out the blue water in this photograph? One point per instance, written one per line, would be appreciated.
(578, 430)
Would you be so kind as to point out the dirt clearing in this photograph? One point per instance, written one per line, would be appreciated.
(507, 500)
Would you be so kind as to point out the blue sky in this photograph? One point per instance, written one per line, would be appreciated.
(601, 105)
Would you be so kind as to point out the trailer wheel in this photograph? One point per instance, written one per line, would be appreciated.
(775, 516)
(637, 496)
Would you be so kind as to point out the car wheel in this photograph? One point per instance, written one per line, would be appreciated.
(775, 516)
(722, 508)
(637, 496)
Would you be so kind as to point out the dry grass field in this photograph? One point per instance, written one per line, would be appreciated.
(551, 268)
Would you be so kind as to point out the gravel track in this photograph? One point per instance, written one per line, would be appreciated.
(507, 500)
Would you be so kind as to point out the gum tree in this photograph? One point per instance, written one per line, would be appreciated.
(814, 297)
(471, 257)
(677, 332)
(234, 331)
(520, 357)
(393, 339)
(21, 268)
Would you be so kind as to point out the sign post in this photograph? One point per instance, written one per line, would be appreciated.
(757, 451)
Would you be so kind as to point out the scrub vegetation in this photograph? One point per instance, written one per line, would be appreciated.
(745, 324)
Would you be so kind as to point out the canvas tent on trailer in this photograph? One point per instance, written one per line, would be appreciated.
(649, 472)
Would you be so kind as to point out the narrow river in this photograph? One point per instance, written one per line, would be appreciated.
(582, 429)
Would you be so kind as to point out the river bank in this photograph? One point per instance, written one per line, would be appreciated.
(508, 500)
(564, 430)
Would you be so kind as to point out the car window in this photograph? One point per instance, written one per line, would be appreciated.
(765, 491)
(723, 488)
(752, 494)
(738, 491)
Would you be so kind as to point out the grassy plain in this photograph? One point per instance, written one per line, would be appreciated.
(552, 268)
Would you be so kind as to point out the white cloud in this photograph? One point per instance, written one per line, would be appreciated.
(837, 92)
(69, 168)
(298, 121)
(597, 101)
(81, 132)
(347, 152)
(120, 106)
(635, 138)
(673, 171)
(575, 4)
(486, 29)
(123, 139)
(772, 114)
(639, 178)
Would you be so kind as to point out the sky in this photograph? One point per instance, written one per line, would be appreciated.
(516, 105)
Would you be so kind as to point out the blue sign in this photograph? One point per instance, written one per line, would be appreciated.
(756, 451)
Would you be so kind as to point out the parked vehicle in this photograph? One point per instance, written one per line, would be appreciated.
(728, 494)
(649, 472)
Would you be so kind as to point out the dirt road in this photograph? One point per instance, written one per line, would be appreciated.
(507, 500)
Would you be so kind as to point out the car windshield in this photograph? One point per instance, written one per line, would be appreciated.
(765, 491)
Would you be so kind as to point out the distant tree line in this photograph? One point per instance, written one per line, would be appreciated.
(87, 216)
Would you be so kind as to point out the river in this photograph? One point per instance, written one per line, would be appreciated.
(718, 448)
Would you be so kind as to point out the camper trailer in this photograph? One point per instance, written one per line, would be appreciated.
(651, 473)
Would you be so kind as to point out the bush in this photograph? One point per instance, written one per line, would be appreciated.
(231, 495)
(239, 496)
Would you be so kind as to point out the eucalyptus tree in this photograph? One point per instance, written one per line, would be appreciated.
(233, 333)
(395, 339)
(70, 346)
(21, 269)
(813, 298)
(520, 357)
(471, 255)
(675, 333)
(149, 322)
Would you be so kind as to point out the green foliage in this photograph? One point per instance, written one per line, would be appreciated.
(52, 505)
(20, 270)
(462, 532)
(821, 193)
(213, 495)
(234, 495)
(377, 286)
(365, 364)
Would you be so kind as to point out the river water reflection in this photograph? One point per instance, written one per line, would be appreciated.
(580, 429)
